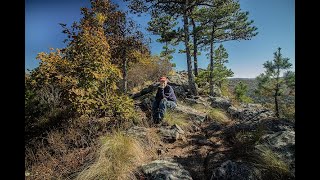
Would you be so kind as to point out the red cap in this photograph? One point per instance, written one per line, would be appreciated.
(163, 79)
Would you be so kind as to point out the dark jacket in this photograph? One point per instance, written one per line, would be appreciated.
(166, 92)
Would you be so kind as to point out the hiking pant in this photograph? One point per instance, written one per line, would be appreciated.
(159, 109)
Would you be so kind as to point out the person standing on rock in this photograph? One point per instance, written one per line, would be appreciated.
(165, 98)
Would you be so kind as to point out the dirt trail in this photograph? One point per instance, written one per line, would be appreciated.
(193, 150)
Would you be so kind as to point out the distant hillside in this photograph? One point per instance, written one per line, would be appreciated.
(252, 85)
(251, 82)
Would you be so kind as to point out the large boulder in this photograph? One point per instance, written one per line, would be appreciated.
(179, 79)
(143, 135)
(220, 102)
(139, 132)
(165, 170)
(230, 170)
(171, 134)
(192, 113)
(180, 84)
(234, 112)
(179, 90)
(250, 112)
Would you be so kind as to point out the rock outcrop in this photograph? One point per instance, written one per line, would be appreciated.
(230, 170)
(283, 144)
(192, 113)
(250, 112)
(256, 123)
(166, 170)
(220, 102)
(171, 134)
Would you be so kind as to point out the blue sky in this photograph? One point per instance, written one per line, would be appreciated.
(275, 20)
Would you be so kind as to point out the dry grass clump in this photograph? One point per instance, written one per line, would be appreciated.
(118, 158)
(218, 116)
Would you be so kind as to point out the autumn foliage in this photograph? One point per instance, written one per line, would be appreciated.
(148, 69)
(73, 97)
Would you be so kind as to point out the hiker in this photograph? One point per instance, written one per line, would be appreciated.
(165, 98)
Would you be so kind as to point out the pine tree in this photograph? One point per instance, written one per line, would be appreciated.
(224, 21)
(163, 25)
(271, 83)
(240, 91)
(221, 72)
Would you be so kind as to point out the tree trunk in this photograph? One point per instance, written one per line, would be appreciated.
(195, 49)
(276, 104)
(124, 74)
(186, 42)
(166, 51)
(211, 63)
(277, 93)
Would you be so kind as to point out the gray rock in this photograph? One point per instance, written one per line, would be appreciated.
(179, 91)
(279, 137)
(276, 125)
(269, 126)
(171, 134)
(235, 171)
(168, 135)
(195, 97)
(220, 102)
(192, 113)
(251, 106)
(180, 85)
(141, 134)
(255, 114)
(283, 143)
(136, 131)
(178, 79)
(191, 101)
(252, 112)
(178, 128)
(234, 112)
(197, 100)
(165, 170)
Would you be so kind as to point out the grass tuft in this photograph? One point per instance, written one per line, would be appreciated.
(276, 167)
(172, 117)
(218, 116)
(118, 158)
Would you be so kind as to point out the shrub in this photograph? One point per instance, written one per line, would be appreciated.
(82, 74)
(148, 68)
(240, 92)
